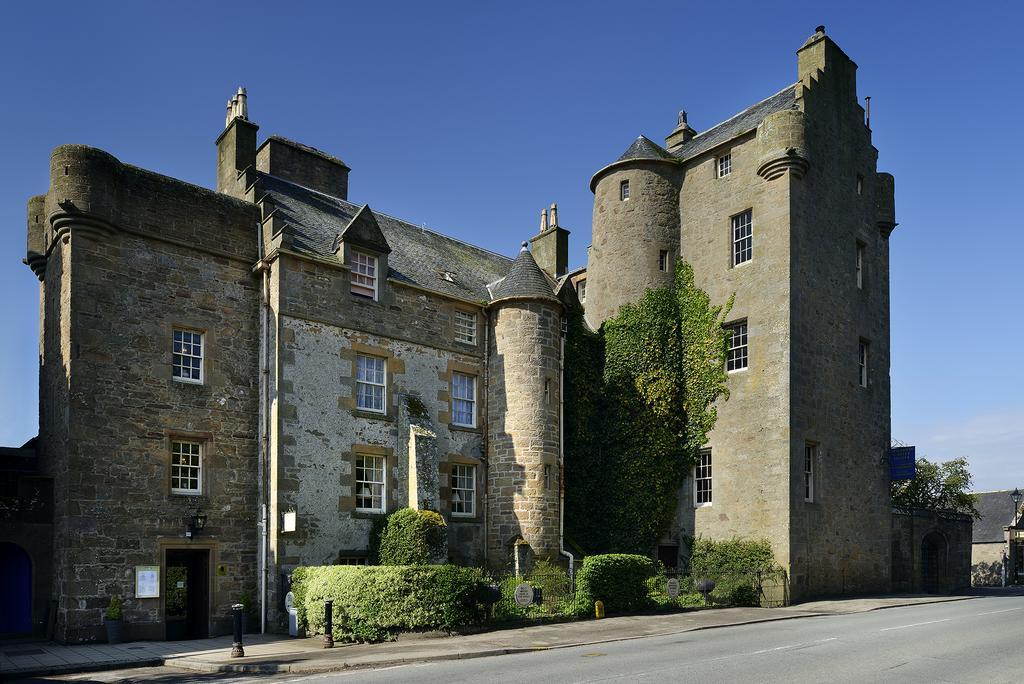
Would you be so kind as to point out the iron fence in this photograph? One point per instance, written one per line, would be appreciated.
(550, 592)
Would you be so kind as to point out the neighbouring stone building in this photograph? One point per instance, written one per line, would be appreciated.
(997, 553)
(237, 381)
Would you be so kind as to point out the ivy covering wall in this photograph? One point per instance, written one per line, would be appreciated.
(640, 397)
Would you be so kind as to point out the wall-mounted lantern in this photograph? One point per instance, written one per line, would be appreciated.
(194, 522)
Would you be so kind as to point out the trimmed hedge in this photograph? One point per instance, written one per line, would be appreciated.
(412, 537)
(619, 580)
(374, 603)
(735, 565)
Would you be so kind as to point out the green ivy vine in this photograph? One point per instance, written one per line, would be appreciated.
(640, 402)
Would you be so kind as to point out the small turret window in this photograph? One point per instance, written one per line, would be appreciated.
(663, 260)
(624, 190)
(581, 291)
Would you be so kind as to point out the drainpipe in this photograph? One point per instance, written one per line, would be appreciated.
(561, 458)
(262, 468)
(487, 408)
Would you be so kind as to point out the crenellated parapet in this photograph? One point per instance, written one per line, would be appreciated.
(885, 204)
(782, 138)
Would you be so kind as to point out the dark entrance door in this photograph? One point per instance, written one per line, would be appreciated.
(933, 557)
(15, 590)
(187, 594)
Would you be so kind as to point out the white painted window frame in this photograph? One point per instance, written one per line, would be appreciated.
(742, 244)
(724, 165)
(184, 468)
(624, 191)
(383, 384)
(382, 482)
(470, 400)
(702, 472)
(471, 489)
(734, 349)
(179, 353)
(365, 274)
(465, 330)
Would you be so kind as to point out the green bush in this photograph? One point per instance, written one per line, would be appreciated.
(619, 580)
(736, 566)
(115, 610)
(412, 537)
(374, 603)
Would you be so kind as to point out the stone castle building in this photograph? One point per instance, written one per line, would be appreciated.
(234, 382)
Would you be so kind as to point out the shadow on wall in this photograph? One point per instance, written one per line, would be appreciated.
(987, 574)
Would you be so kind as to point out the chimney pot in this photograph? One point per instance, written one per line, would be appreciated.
(524, 247)
(819, 29)
(554, 215)
(543, 220)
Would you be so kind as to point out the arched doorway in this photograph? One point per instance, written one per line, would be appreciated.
(15, 590)
(933, 562)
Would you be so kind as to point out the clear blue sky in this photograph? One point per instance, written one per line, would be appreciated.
(470, 117)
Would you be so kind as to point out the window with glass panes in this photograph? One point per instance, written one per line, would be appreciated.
(370, 483)
(862, 364)
(370, 389)
(465, 327)
(742, 237)
(736, 354)
(186, 467)
(624, 190)
(463, 400)
(663, 260)
(810, 456)
(860, 265)
(463, 490)
(702, 478)
(187, 359)
(364, 275)
(581, 290)
(724, 165)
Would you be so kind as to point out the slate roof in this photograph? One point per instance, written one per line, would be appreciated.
(418, 256)
(747, 120)
(524, 279)
(644, 148)
(996, 510)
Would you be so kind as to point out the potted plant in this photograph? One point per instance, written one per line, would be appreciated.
(114, 621)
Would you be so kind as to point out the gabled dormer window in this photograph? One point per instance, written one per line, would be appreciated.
(364, 275)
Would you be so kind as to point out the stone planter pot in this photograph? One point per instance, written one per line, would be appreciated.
(114, 630)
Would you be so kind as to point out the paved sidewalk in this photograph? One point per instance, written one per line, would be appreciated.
(274, 653)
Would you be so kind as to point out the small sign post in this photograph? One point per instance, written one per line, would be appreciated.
(902, 463)
(672, 588)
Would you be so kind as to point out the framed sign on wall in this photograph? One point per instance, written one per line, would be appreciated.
(147, 581)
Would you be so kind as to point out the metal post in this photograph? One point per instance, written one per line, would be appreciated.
(236, 648)
(328, 641)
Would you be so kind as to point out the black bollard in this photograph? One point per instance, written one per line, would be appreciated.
(328, 624)
(236, 648)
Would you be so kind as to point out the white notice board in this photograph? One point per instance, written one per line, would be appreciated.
(147, 581)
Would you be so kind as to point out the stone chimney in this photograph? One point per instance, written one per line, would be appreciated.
(820, 60)
(303, 165)
(236, 149)
(682, 134)
(551, 244)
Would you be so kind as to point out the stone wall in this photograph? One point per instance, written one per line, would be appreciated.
(523, 432)
(750, 441)
(840, 540)
(131, 256)
(987, 564)
(943, 569)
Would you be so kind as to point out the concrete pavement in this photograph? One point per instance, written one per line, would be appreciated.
(274, 653)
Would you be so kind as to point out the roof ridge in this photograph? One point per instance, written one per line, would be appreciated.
(394, 218)
(744, 111)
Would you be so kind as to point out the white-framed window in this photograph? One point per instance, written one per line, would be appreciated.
(736, 352)
(810, 458)
(463, 399)
(186, 468)
(187, 358)
(371, 391)
(663, 260)
(465, 327)
(624, 190)
(581, 290)
(724, 165)
(463, 490)
(860, 265)
(742, 237)
(370, 483)
(364, 275)
(862, 363)
(702, 479)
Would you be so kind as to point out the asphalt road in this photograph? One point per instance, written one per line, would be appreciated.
(979, 640)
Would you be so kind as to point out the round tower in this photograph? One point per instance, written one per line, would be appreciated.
(635, 228)
(523, 417)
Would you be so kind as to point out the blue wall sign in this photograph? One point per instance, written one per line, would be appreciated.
(902, 463)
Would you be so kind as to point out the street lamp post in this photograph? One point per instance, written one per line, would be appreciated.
(1015, 496)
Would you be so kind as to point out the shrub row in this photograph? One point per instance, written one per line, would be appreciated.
(373, 603)
(619, 580)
